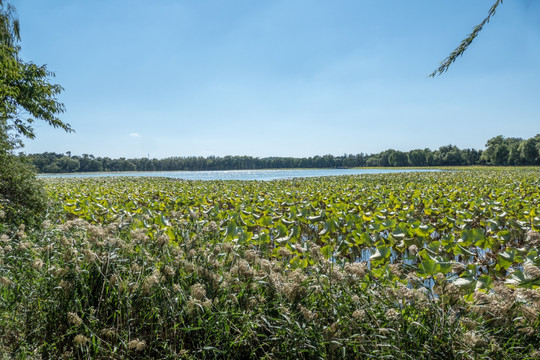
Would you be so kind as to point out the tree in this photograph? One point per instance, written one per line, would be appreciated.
(26, 95)
(465, 43)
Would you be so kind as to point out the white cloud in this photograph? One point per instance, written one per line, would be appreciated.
(135, 135)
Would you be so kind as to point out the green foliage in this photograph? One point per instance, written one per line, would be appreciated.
(25, 96)
(22, 197)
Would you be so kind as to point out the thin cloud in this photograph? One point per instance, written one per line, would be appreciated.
(136, 135)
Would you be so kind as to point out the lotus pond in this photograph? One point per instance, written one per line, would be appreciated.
(409, 265)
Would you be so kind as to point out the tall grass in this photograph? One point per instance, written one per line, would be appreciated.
(85, 291)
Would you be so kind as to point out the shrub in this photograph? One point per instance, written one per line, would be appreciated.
(22, 197)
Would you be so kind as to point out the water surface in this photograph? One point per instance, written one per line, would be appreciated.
(240, 174)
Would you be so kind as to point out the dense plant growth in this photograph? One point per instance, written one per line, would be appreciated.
(424, 265)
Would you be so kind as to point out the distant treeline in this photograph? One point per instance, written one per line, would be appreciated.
(499, 151)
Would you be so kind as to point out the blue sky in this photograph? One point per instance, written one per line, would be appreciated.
(164, 78)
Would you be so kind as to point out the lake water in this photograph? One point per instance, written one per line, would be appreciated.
(242, 174)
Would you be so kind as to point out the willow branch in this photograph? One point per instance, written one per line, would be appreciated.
(445, 64)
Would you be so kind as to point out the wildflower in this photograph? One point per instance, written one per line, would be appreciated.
(355, 298)
(74, 319)
(81, 340)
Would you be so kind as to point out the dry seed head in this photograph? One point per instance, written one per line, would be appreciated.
(23, 245)
(211, 227)
(135, 268)
(109, 333)
(139, 235)
(74, 319)
(136, 345)
(458, 268)
(392, 314)
(533, 296)
(251, 255)
(413, 249)
(315, 252)
(307, 314)
(90, 256)
(355, 269)
(37, 264)
(468, 323)
(5, 281)
(150, 282)
(532, 238)
(163, 240)
(440, 277)
(530, 313)
(284, 252)
(358, 314)
(532, 271)
(337, 274)
(168, 271)
(198, 292)
(80, 340)
(473, 339)
(207, 303)
(114, 279)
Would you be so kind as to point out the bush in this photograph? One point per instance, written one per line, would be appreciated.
(22, 197)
